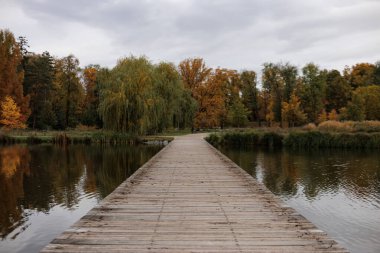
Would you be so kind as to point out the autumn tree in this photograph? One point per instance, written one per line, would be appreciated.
(207, 88)
(11, 73)
(361, 74)
(38, 84)
(68, 92)
(264, 98)
(211, 103)
(322, 117)
(313, 91)
(194, 73)
(333, 115)
(11, 116)
(249, 93)
(292, 112)
(229, 83)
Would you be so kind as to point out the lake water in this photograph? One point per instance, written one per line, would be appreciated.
(44, 189)
(339, 191)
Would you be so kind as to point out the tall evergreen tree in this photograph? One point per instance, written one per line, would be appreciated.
(38, 84)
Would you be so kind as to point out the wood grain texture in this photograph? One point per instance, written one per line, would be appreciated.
(191, 198)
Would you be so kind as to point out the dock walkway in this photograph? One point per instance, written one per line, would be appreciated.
(191, 198)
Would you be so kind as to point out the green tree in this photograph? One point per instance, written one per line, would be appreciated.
(238, 114)
(355, 109)
(68, 94)
(127, 97)
(185, 112)
(365, 101)
(90, 116)
(38, 84)
(168, 88)
(338, 90)
(376, 73)
(249, 93)
(274, 83)
(289, 75)
(313, 91)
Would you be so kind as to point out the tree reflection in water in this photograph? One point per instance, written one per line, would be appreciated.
(38, 178)
(338, 190)
(315, 172)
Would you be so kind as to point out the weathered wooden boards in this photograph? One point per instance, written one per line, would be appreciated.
(191, 198)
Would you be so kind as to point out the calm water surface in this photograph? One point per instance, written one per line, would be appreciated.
(337, 190)
(45, 188)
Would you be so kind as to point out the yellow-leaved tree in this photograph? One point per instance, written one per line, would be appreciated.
(291, 113)
(11, 116)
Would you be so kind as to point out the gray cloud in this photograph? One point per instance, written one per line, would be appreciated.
(238, 34)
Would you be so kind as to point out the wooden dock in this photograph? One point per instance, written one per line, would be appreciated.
(191, 198)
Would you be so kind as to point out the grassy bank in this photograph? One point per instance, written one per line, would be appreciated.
(360, 135)
(76, 137)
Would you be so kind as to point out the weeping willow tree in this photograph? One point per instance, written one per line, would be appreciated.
(127, 95)
(175, 102)
(137, 97)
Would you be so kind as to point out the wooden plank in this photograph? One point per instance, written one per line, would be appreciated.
(191, 198)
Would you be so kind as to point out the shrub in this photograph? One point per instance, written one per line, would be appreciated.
(300, 139)
(367, 126)
(81, 127)
(309, 127)
(316, 139)
(336, 126)
(241, 139)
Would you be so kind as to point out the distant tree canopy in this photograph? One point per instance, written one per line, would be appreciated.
(40, 91)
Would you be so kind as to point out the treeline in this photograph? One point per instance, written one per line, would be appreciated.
(40, 91)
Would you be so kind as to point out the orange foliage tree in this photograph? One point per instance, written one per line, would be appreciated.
(210, 104)
(292, 113)
(11, 116)
(196, 78)
(214, 90)
(11, 73)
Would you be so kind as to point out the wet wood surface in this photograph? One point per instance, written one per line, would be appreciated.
(191, 198)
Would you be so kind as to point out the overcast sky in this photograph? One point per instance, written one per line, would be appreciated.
(238, 34)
